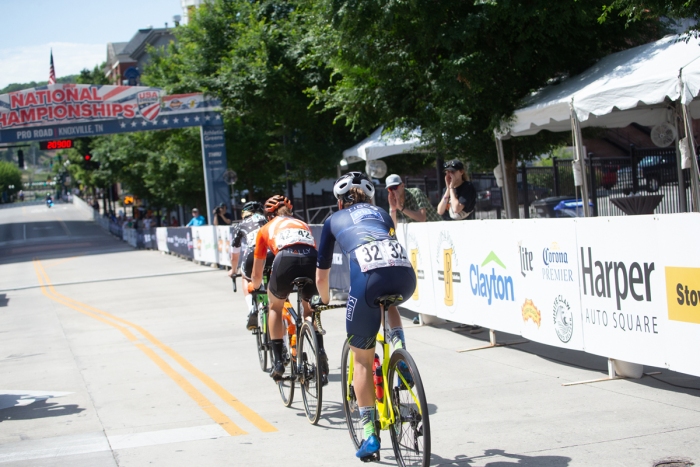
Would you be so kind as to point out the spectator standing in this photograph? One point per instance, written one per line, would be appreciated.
(460, 195)
(221, 217)
(196, 220)
(174, 222)
(408, 204)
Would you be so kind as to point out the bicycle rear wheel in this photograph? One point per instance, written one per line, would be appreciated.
(310, 372)
(286, 384)
(263, 339)
(350, 407)
(410, 433)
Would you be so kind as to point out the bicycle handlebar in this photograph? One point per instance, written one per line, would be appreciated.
(316, 311)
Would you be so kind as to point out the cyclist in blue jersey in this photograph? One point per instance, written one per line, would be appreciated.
(378, 266)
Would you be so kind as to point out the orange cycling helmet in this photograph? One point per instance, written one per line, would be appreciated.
(276, 202)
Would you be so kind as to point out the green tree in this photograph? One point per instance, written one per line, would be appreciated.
(636, 10)
(94, 76)
(456, 68)
(248, 54)
(10, 178)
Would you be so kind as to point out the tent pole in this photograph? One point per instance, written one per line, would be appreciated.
(578, 144)
(694, 173)
(502, 162)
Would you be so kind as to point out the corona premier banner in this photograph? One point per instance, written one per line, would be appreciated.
(626, 288)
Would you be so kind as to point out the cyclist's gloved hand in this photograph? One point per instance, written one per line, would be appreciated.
(316, 301)
(252, 289)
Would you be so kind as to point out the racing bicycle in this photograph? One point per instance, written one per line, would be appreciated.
(302, 353)
(401, 405)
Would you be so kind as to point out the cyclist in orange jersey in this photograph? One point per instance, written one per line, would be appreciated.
(294, 247)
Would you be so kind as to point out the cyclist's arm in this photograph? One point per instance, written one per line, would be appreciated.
(322, 284)
(259, 255)
(325, 260)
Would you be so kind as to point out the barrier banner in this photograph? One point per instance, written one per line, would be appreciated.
(681, 268)
(130, 237)
(623, 288)
(416, 242)
(162, 238)
(147, 239)
(204, 243)
(179, 241)
(547, 300)
(224, 236)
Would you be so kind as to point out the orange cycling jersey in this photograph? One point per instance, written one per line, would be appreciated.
(280, 233)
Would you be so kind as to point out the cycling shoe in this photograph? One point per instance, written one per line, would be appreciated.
(277, 371)
(252, 321)
(323, 366)
(368, 447)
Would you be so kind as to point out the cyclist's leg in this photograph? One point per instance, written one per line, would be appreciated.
(363, 320)
(278, 291)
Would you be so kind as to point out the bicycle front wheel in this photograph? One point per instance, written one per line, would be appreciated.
(350, 406)
(286, 384)
(310, 373)
(410, 433)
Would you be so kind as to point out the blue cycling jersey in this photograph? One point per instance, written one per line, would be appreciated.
(352, 227)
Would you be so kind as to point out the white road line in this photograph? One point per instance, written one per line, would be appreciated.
(54, 447)
(175, 435)
(86, 443)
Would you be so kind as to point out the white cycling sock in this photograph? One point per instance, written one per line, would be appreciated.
(249, 301)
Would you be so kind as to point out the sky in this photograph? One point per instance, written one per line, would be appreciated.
(77, 30)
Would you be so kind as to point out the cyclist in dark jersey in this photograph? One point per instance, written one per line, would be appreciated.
(244, 239)
(378, 266)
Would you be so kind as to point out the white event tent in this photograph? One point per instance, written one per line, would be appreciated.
(378, 145)
(638, 85)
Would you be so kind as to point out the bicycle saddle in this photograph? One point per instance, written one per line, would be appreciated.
(300, 282)
(388, 300)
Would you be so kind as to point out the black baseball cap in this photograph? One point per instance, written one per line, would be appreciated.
(454, 164)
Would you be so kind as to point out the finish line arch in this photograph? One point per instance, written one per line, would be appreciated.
(66, 111)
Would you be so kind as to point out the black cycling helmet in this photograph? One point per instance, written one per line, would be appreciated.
(253, 206)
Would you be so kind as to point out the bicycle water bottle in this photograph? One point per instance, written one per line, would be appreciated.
(293, 345)
(378, 378)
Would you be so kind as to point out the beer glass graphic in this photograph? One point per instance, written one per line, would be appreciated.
(414, 263)
(449, 292)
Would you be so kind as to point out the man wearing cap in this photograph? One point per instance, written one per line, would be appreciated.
(221, 217)
(408, 204)
(196, 220)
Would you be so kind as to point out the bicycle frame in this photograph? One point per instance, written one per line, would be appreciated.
(385, 411)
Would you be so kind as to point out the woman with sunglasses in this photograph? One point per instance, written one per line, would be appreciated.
(460, 196)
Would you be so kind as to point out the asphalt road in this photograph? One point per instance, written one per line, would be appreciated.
(115, 356)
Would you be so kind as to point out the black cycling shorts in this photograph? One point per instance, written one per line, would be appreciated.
(362, 317)
(247, 263)
(290, 263)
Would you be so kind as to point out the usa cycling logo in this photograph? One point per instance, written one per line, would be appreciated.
(149, 104)
(352, 301)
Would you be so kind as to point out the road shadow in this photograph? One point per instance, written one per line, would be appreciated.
(38, 409)
(4, 300)
(498, 455)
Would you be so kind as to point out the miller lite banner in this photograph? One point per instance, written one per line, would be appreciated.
(75, 110)
(632, 297)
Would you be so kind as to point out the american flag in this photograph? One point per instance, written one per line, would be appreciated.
(52, 72)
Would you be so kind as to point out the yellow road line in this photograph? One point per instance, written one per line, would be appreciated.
(210, 409)
(219, 390)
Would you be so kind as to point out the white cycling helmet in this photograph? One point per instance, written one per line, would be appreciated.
(353, 180)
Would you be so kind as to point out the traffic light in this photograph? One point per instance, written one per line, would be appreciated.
(89, 163)
(20, 159)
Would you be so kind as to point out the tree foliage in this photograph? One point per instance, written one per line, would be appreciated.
(639, 10)
(10, 176)
(458, 68)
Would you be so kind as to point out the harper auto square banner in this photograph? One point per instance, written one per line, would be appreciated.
(76, 110)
